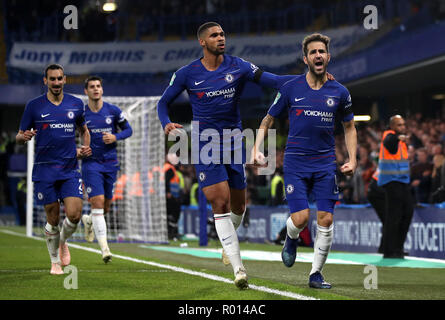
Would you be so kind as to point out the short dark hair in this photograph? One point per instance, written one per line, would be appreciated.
(53, 66)
(92, 78)
(206, 26)
(315, 37)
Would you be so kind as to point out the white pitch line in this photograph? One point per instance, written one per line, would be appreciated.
(178, 269)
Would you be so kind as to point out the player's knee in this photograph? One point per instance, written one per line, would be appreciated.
(325, 219)
(300, 218)
(220, 205)
(107, 205)
(52, 209)
(73, 218)
(238, 209)
(97, 202)
(73, 212)
(325, 212)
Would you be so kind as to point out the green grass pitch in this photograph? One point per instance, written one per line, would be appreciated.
(141, 273)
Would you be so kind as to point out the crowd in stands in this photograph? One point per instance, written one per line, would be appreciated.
(426, 155)
(158, 20)
(13, 171)
(426, 148)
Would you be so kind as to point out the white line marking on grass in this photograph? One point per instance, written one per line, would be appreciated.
(179, 269)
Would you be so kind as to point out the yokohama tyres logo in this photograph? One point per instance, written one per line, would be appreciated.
(228, 93)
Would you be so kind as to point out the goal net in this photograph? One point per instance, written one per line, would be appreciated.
(138, 210)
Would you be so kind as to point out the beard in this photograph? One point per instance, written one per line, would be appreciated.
(56, 88)
(314, 71)
(215, 51)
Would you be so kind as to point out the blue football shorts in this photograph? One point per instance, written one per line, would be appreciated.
(48, 192)
(210, 174)
(99, 183)
(322, 186)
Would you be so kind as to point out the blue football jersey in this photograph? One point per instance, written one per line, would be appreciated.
(311, 144)
(214, 95)
(55, 141)
(107, 119)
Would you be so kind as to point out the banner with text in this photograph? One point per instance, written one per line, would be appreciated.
(152, 57)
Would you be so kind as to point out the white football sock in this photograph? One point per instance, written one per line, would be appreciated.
(52, 235)
(100, 227)
(322, 246)
(68, 228)
(229, 239)
(292, 231)
(236, 219)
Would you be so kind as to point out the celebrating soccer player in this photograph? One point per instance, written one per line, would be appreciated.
(99, 171)
(214, 84)
(52, 118)
(312, 104)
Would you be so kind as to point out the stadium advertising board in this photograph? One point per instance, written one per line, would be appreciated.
(355, 229)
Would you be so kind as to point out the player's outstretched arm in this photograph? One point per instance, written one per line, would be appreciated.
(351, 145)
(175, 87)
(24, 136)
(258, 158)
(85, 150)
(271, 80)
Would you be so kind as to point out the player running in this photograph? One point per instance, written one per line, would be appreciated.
(99, 171)
(312, 104)
(53, 118)
(214, 84)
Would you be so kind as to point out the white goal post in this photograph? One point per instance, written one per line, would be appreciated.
(138, 210)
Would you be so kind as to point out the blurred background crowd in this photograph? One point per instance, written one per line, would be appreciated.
(417, 96)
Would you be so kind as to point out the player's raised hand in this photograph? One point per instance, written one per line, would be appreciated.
(108, 137)
(348, 168)
(171, 127)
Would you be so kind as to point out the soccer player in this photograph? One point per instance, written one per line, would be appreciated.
(214, 84)
(53, 118)
(107, 124)
(312, 104)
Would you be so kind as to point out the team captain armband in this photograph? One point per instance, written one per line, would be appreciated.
(257, 76)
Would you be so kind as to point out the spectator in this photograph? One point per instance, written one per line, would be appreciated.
(362, 176)
(395, 179)
(438, 179)
(421, 176)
